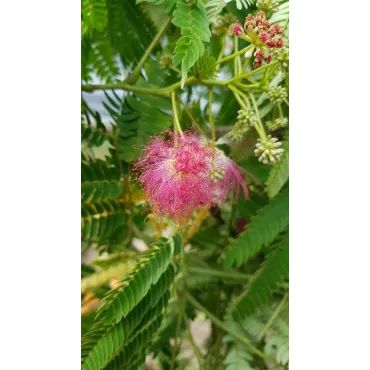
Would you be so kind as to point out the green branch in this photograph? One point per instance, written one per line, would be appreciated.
(127, 87)
(210, 117)
(176, 122)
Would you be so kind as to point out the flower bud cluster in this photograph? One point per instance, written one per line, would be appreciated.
(245, 120)
(282, 56)
(268, 5)
(222, 23)
(277, 123)
(268, 151)
(264, 36)
(247, 117)
(277, 95)
(165, 61)
(217, 174)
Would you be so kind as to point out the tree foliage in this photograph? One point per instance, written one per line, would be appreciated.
(146, 67)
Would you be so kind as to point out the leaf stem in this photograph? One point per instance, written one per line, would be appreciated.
(227, 329)
(232, 56)
(193, 344)
(210, 117)
(243, 76)
(134, 76)
(195, 123)
(272, 318)
(127, 87)
(176, 121)
(237, 58)
(219, 273)
(223, 43)
(258, 116)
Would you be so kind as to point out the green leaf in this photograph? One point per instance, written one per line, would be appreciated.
(238, 358)
(265, 226)
(94, 15)
(134, 287)
(168, 6)
(101, 220)
(99, 181)
(137, 118)
(206, 67)
(194, 25)
(274, 270)
(96, 354)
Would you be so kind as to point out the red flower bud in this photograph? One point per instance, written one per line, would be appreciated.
(236, 29)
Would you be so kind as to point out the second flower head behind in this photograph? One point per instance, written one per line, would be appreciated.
(179, 178)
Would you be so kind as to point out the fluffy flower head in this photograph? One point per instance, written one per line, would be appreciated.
(179, 178)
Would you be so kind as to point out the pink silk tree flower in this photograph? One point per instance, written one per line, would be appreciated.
(229, 178)
(179, 178)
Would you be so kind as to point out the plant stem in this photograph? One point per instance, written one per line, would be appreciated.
(245, 65)
(127, 87)
(182, 299)
(245, 87)
(232, 56)
(280, 111)
(134, 76)
(242, 76)
(178, 325)
(272, 318)
(210, 117)
(286, 102)
(241, 94)
(236, 60)
(223, 43)
(193, 344)
(237, 97)
(223, 326)
(175, 69)
(176, 121)
(258, 117)
(219, 273)
(195, 123)
(213, 82)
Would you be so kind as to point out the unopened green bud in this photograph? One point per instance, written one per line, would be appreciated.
(277, 95)
(217, 174)
(245, 120)
(165, 61)
(282, 56)
(268, 5)
(268, 151)
(222, 23)
(277, 123)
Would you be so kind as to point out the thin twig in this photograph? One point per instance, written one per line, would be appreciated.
(223, 326)
(134, 76)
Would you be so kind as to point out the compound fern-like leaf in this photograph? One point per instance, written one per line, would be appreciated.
(194, 25)
(274, 270)
(119, 335)
(99, 181)
(94, 15)
(137, 118)
(151, 265)
(205, 67)
(101, 220)
(265, 226)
